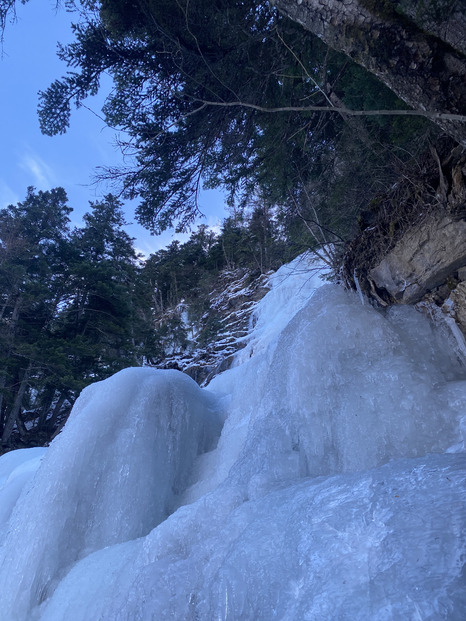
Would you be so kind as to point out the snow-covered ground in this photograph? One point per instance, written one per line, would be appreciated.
(320, 478)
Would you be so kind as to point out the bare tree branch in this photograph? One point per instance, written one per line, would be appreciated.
(446, 116)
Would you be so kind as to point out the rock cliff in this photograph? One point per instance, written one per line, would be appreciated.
(414, 248)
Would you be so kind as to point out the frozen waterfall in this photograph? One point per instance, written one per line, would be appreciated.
(321, 478)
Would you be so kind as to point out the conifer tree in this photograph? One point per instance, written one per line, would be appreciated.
(33, 280)
(98, 322)
(229, 94)
(71, 310)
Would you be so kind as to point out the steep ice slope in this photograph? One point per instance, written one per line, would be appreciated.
(336, 489)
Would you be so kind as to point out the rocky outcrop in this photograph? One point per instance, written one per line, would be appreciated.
(424, 258)
(458, 297)
(414, 249)
(455, 305)
(423, 70)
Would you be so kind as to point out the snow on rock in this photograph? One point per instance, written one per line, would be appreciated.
(336, 489)
(232, 302)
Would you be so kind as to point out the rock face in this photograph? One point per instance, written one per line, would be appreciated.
(428, 265)
(457, 308)
(426, 72)
(423, 259)
(414, 250)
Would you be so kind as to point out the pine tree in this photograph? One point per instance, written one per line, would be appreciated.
(32, 277)
(72, 311)
(192, 58)
(98, 323)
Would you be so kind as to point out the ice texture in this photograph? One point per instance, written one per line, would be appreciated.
(111, 476)
(335, 489)
(16, 469)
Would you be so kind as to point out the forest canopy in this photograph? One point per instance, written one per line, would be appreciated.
(180, 74)
(260, 100)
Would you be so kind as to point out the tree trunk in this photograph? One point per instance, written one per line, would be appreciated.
(45, 410)
(2, 388)
(8, 343)
(424, 71)
(16, 409)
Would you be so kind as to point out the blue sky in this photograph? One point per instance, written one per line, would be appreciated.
(29, 64)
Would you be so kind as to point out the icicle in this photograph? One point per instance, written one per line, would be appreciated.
(358, 288)
(458, 336)
(445, 315)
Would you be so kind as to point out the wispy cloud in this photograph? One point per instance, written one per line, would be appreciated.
(214, 224)
(7, 195)
(42, 176)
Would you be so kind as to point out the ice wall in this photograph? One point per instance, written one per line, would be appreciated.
(336, 489)
(111, 476)
(16, 470)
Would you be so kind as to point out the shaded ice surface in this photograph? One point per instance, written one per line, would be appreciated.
(322, 477)
(16, 469)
